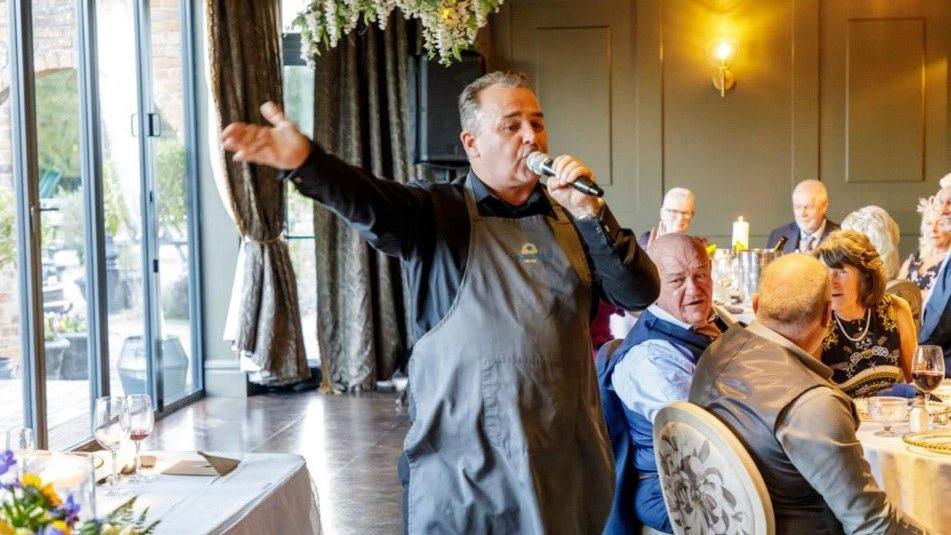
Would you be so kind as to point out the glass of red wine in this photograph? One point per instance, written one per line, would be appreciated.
(141, 424)
(927, 370)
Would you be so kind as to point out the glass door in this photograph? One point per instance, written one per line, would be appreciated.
(13, 356)
(97, 261)
(121, 171)
(175, 367)
(62, 215)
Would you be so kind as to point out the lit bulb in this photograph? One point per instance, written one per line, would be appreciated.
(723, 51)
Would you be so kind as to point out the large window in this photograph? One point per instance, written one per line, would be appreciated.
(103, 162)
(62, 205)
(13, 361)
(299, 226)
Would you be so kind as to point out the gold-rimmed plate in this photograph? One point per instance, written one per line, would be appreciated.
(938, 441)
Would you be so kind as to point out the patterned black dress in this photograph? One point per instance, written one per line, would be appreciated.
(864, 364)
(922, 280)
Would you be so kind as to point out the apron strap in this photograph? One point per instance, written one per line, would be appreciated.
(561, 215)
(470, 200)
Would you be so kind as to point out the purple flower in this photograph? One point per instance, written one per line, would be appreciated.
(6, 461)
(69, 511)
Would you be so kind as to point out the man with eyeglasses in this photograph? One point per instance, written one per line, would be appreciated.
(676, 214)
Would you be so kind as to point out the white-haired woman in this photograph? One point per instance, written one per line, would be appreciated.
(923, 265)
(882, 231)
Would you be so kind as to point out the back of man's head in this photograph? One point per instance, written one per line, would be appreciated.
(793, 299)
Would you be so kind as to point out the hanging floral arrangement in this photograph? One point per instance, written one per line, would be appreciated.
(449, 26)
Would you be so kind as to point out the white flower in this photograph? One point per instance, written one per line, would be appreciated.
(449, 26)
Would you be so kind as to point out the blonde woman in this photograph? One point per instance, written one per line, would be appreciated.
(871, 339)
(923, 265)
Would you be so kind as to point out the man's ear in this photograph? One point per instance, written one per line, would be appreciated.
(469, 144)
(827, 315)
(755, 303)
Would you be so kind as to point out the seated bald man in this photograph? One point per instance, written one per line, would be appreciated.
(810, 203)
(767, 385)
(652, 368)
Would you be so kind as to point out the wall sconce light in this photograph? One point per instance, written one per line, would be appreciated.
(723, 78)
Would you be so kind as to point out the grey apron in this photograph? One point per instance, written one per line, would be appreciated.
(508, 435)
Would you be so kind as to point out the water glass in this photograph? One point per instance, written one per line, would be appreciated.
(888, 411)
(22, 442)
(111, 424)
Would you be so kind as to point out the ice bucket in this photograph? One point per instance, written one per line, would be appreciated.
(752, 263)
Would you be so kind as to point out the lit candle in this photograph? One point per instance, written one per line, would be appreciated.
(741, 234)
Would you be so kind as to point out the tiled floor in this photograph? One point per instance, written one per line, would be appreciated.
(351, 444)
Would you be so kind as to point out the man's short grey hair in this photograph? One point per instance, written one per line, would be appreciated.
(679, 193)
(813, 185)
(469, 98)
(793, 293)
(882, 231)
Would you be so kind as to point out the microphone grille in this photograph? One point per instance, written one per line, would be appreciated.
(536, 161)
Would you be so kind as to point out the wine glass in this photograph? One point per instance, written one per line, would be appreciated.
(141, 424)
(927, 370)
(888, 411)
(20, 440)
(111, 423)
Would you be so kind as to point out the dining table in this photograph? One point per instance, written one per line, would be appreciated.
(916, 479)
(265, 493)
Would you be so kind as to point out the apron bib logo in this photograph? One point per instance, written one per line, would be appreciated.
(528, 254)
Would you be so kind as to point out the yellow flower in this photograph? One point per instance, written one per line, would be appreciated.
(62, 526)
(31, 480)
(6, 529)
(51, 495)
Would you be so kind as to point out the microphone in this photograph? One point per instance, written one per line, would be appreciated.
(540, 164)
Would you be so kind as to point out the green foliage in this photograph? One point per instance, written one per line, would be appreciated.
(57, 118)
(170, 185)
(122, 520)
(7, 226)
(448, 26)
(50, 331)
(29, 508)
(115, 213)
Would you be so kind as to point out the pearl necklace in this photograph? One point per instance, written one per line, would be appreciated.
(868, 321)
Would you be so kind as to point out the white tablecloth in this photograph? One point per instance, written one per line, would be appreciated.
(266, 493)
(917, 481)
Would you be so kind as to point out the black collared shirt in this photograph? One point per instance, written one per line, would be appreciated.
(427, 226)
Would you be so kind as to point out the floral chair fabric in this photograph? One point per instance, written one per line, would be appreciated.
(710, 483)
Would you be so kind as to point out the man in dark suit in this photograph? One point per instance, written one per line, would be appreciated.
(936, 314)
(810, 202)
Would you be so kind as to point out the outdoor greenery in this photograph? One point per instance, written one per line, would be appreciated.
(448, 26)
(7, 226)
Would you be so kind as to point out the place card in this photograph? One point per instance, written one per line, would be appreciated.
(210, 465)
